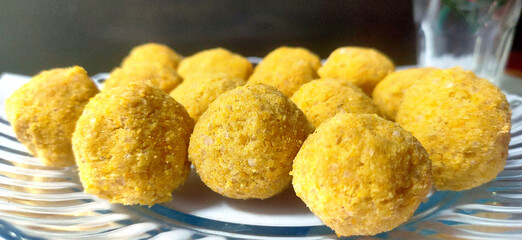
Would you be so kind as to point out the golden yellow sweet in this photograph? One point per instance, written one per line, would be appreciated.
(152, 53)
(44, 111)
(388, 93)
(131, 145)
(243, 146)
(162, 76)
(361, 174)
(200, 90)
(464, 123)
(364, 67)
(286, 68)
(216, 60)
(323, 98)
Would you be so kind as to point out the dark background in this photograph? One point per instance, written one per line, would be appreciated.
(36, 35)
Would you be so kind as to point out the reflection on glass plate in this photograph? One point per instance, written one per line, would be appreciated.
(38, 202)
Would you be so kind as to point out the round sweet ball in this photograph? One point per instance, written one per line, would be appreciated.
(216, 60)
(463, 121)
(244, 144)
(323, 98)
(388, 94)
(162, 76)
(286, 68)
(131, 145)
(152, 53)
(364, 67)
(200, 90)
(44, 111)
(361, 174)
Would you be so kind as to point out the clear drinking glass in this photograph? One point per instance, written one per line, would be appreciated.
(474, 34)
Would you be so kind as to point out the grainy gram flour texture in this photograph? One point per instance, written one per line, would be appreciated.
(361, 174)
(464, 123)
(364, 67)
(323, 98)
(244, 144)
(388, 94)
(44, 111)
(131, 145)
(286, 68)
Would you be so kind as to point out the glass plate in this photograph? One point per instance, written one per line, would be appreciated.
(38, 202)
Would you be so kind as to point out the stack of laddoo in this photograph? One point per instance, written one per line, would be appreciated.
(327, 129)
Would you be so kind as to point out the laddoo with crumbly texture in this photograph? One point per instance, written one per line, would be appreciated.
(464, 123)
(323, 98)
(44, 111)
(243, 146)
(216, 60)
(131, 145)
(361, 174)
(364, 67)
(286, 68)
(387, 95)
(162, 76)
(152, 53)
(200, 90)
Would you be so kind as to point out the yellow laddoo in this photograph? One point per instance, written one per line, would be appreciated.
(323, 98)
(200, 90)
(387, 95)
(216, 60)
(464, 123)
(286, 68)
(131, 145)
(364, 67)
(361, 174)
(164, 77)
(243, 146)
(152, 53)
(44, 111)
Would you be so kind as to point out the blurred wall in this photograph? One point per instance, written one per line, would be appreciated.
(36, 35)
